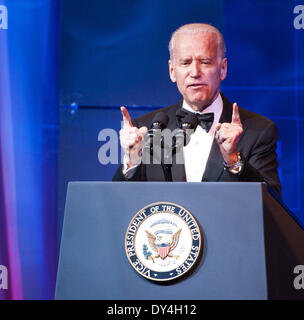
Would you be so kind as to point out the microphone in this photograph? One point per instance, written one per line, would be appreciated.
(153, 135)
(190, 121)
(188, 124)
(180, 138)
(159, 121)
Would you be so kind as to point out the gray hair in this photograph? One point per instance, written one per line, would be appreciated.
(198, 28)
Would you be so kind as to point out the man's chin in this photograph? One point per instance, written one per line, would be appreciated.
(199, 104)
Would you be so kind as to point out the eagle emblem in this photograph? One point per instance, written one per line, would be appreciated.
(163, 244)
(163, 241)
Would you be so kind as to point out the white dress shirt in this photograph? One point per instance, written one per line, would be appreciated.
(197, 151)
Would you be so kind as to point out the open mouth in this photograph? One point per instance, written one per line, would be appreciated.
(197, 85)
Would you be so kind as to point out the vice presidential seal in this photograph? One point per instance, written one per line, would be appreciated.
(163, 241)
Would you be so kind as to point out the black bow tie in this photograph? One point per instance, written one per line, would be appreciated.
(205, 120)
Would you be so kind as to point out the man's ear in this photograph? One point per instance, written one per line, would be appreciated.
(171, 71)
(224, 69)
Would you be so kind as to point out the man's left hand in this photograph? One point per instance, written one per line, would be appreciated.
(228, 136)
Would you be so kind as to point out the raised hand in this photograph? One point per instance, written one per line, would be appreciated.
(131, 139)
(228, 136)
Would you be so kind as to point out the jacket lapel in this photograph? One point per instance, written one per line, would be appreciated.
(214, 167)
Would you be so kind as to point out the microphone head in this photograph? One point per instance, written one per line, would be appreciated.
(190, 121)
(160, 121)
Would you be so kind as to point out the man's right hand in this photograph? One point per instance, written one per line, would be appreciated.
(131, 140)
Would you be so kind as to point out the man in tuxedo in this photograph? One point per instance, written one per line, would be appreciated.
(231, 144)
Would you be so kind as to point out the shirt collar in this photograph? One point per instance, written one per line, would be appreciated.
(216, 106)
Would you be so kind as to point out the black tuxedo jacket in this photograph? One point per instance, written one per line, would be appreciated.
(257, 145)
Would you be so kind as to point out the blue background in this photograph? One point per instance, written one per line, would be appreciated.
(67, 66)
(108, 61)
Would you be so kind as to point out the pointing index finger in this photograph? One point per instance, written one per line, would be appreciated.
(127, 122)
(235, 114)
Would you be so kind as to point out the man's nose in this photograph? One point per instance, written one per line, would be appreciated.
(195, 71)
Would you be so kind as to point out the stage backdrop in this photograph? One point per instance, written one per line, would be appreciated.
(115, 55)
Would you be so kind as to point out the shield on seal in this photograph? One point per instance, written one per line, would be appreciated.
(163, 249)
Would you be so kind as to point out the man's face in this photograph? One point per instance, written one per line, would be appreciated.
(197, 67)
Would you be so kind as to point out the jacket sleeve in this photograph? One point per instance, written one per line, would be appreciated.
(260, 164)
